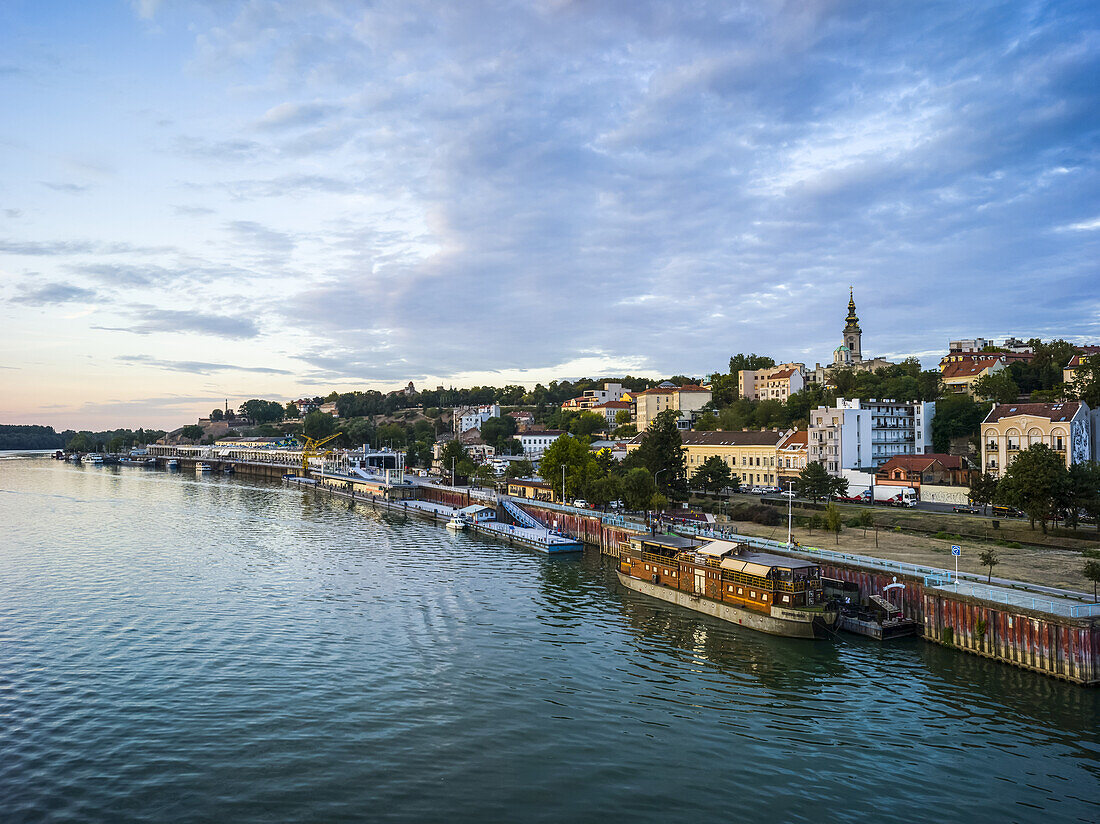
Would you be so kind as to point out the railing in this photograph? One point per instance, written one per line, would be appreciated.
(932, 576)
(525, 518)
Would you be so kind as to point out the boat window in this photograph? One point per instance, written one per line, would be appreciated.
(740, 591)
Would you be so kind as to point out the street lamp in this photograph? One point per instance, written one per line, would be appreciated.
(655, 475)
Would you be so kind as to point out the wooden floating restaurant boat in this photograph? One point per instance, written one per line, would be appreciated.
(770, 593)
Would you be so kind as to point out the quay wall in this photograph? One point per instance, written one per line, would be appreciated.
(1054, 645)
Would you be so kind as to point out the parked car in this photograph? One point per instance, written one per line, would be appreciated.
(969, 510)
(1007, 512)
(581, 503)
(757, 490)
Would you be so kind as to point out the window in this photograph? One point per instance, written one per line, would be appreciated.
(740, 590)
(752, 593)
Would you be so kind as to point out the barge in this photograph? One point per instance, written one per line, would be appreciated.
(769, 593)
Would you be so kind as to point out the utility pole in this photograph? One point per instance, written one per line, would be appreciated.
(790, 503)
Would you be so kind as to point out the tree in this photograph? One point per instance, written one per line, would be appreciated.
(713, 475)
(1037, 482)
(318, 424)
(216, 415)
(816, 483)
(1085, 385)
(988, 558)
(605, 490)
(192, 432)
(638, 488)
(260, 411)
(499, 431)
(623, 416)
(587, 424)
(751, 362)
(519, 469)
(484, 476)
(957, 415)
(1085, 484)
(661, 452)
(983, 489)
(572, 454)
(453, 454)
(997, 386)
(292, 411)
(833, 522)
(1092, 572)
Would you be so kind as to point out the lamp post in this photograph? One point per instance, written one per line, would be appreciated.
(790, 502)
(655, 475)
(563, 483)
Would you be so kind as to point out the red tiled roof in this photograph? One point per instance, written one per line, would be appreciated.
(1050, 411)
(613, 405)
(753, 437)
(919, 463)
(786, 373)
(657, 390)
(968, 368)
(797, 439)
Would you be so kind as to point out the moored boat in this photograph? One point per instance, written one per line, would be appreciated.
(770, 593)
(203, 467)
(172, 464)
(92, 459)
(457, 523)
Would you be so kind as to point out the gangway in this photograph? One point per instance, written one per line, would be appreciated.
(522, 518)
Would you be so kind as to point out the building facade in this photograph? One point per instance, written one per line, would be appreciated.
(537, 441)
(473, 417)
(777, 383)
(609, 409)
(686, 400)
(594, 397)
(960, 374)
(864, 434)
(750, 453)
(792, 455)
(1069, 428)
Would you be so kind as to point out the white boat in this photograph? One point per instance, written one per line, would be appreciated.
(92, 459)
(203, 467)
(457, 523)
(172, 464)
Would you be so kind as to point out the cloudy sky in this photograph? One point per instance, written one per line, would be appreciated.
(201, 200)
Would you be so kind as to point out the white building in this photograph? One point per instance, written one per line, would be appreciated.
(594, 397)
(535, 443)
(474, 416)
(609, 409)
(864, 434)
(777, 383)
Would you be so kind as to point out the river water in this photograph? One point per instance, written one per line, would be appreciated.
(181, 648)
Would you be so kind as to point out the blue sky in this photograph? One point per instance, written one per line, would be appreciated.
(213, 199)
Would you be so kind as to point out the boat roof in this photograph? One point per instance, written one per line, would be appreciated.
(752, 563)
(473, 509)
(670, 541)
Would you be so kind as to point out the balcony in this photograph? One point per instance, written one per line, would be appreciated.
(1013, 447)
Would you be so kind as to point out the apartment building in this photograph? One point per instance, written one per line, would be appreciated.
(777, 383)
(686, 400)
(792, 454)
(864, 434)
(537, 441)
(474, 416)
(1069, 428)
(749, 453)
(611, 392)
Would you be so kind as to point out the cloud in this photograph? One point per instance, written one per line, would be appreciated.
(149, 320)
(67, 188)
(197, 367)
(232, 150)
(290, 115)
(192, 211)
(50, 248)
(124, 275)
(290, 186)
(254, 235)
(13, 213)
(146, 9)
(49, 294)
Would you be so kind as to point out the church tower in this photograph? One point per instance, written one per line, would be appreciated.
(852, 332)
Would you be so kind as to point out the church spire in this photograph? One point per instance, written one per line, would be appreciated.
(852, 319)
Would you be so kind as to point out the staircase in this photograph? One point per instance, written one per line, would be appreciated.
(520, 516)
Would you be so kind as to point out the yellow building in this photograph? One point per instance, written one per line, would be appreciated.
(687, 400)
(752, 455)
(777, 383)
(1011, 427)
(959, 375)
(532, 489)
(1069, 374)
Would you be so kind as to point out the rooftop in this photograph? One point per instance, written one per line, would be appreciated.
(1050, 411)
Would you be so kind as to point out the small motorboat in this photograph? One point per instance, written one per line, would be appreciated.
(203, 467)
(457, 523)
(172, 464)
(92, 459)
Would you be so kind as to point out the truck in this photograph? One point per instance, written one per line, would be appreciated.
(888, 495)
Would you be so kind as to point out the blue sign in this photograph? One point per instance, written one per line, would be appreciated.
(956, 550)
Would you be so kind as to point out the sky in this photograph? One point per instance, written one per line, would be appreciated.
(216, 200)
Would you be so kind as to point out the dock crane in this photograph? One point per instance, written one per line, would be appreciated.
(311, 448)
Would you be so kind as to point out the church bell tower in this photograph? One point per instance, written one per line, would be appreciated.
(852, 332)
